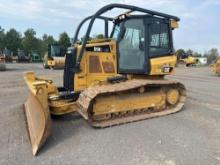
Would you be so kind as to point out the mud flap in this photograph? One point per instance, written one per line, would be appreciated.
(37, 112)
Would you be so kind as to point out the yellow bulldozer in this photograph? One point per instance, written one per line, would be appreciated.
(216, 66)
(111, 81)
(54, 58)
(188, 60)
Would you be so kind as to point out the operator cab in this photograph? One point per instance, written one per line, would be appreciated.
(140, 38)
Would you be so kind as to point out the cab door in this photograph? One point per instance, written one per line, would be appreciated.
(132, 47)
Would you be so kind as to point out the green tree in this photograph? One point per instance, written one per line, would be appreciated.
(189, 51)
(2, 37)
(98, 36)
(30, 43)
(82, 38)
(12, 40)
(179, 53)
(196, 54)
(48, 39)
(64, 40)
(211, 55)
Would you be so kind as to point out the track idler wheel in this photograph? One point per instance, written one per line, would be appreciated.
(172, 96)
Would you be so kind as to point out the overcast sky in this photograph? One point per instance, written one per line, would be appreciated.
(199, 26)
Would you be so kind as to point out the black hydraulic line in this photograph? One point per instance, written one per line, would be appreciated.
(110, 7)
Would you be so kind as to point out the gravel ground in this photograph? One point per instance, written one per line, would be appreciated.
(191, 136)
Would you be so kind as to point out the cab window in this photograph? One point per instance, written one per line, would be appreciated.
(116, 32)
(131, 46)
(159, 38)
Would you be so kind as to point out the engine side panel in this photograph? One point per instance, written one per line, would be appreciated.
(98, 63)
(162, 65)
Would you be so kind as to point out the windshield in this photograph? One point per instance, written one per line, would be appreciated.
(159, 38)
(57, 51)
(116, 31)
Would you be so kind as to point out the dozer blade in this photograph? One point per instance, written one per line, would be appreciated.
(37, 112)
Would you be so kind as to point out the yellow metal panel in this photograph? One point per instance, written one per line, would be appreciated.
(159, 65)
(131, 101)
(61, 107)
(216, 67)
(190, 60)
(57, 62)
(85, 79)
(80, 79)
(50, 62)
